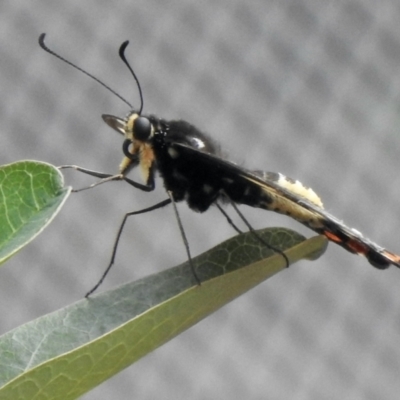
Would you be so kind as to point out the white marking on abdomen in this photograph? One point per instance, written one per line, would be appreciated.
(293, 185)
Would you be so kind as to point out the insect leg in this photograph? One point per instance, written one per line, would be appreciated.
(251, 229)
(86, 171)
(108, 178)
(114, 251)
(228, 218)
(103, 177)
(184, 238)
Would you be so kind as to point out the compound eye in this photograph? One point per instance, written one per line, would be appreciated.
(141, 128)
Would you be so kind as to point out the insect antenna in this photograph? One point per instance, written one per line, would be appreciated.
(45, 48)
(123, 58)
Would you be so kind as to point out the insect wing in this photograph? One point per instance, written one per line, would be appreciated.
(245, 187)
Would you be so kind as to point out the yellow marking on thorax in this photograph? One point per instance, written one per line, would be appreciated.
(147, 158)
(126, 161)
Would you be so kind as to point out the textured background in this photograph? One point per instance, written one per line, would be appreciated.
(309, 88)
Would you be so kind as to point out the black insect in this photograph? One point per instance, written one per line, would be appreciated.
(193, 170)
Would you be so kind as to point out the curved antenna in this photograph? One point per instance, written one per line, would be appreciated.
(123, 58)
(45, 48)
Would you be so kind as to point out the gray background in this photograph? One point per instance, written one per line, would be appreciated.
(309, 88)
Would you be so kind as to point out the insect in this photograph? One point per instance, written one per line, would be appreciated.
(193, 170)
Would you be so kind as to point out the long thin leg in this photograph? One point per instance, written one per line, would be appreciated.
(108, 178)
(184, 238)
(114, 252)
(228, 218)
(262, 241)
(86, 171)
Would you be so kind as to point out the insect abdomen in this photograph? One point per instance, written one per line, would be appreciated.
(292, 185)
(273, 200)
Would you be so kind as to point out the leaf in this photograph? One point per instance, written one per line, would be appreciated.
(64, 354)
(31, 194)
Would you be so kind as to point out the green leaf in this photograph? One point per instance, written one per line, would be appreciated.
(31, 194)
(64, 354)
